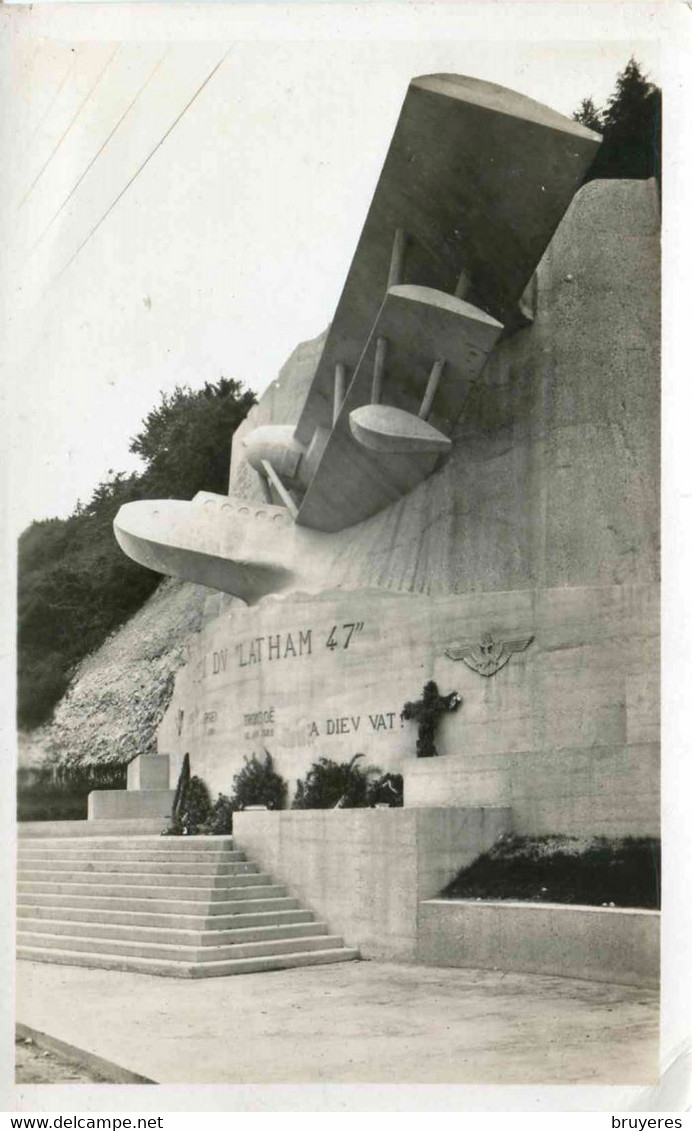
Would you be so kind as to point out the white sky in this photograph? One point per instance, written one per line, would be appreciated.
(232, 244)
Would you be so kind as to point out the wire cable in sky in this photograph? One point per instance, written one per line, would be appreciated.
(96, 156)
(55, 97)
(145, 162)
(64, 134)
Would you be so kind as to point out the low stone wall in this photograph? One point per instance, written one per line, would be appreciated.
(365, 871)
(601, 944)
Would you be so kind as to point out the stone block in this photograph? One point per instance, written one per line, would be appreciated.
(451, 781)
(149, 771)
(125, 804)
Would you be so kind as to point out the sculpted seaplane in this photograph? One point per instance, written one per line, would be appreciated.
(475, 182)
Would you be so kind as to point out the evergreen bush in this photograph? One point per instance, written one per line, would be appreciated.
(220, 821)
(192, 806)
(329, 784)
(53, 792)
(387, 790)
(258, 783)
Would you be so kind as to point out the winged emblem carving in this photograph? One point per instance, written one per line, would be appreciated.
(488, 656)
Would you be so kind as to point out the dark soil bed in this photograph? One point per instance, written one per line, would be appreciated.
(600, 872)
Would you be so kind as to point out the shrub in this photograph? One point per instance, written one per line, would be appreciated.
(197, 808)
(387, 790)
(55, 792)
(181, 786)
(258, 783)
(191, 805)
(330, 784)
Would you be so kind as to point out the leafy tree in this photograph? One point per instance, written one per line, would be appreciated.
(589, 116)
(631, 128)
(74, 587)
(185, 442)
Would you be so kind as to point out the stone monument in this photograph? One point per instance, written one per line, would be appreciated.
(457, 483)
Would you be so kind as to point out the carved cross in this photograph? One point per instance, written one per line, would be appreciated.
(427, 712)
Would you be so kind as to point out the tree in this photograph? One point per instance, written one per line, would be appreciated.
(631, 128)
(186, 439)
(75, 585)
(589, 116)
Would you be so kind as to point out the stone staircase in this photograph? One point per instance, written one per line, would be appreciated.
(187, 908)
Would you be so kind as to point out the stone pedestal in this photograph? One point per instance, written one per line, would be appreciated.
(147, 794)
(149, 771)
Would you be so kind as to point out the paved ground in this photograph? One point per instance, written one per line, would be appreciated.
(356, 1022)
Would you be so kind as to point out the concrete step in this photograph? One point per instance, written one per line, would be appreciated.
(187, 969)
(133, 829)
(108, 843)
(142, 855)
(201, 922)
(175, 951)
(270, 898)
(153, 887)
(195, 937)
(31, 868)
(182, 907)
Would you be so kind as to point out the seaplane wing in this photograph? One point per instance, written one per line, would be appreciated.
(474, 184)
(408, 390)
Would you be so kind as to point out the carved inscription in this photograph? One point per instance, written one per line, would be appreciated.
(259, 724)
(340, 635)
(208, 720)
(352, 724)
(283, 646)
